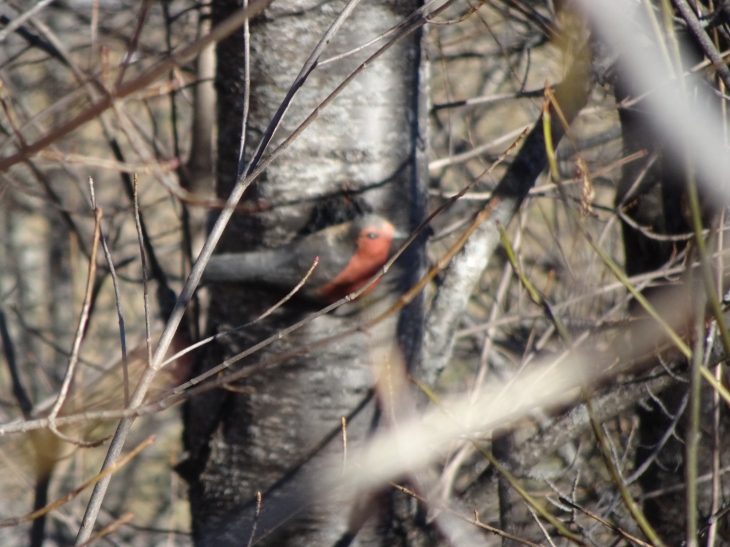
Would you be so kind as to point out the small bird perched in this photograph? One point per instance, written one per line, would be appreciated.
(349, 255)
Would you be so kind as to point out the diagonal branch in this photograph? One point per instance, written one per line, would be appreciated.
(466, 269)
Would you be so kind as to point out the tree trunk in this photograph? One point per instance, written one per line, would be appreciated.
(273, 431)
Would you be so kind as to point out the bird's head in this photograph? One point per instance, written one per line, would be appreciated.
(375, 237)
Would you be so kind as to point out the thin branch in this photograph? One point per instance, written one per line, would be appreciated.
(246, 92)
(646, 232)
(475, 521)
(542, 528)
(489, 99)
(20, 19)
(80, 330)
(419, 13)
(141, 18)
(435, 165)
(117, 298)
(659, 445)
(704, 40)
(109, 528)
(607, 524)
(255, 520)
(268, 312)
(140, 239)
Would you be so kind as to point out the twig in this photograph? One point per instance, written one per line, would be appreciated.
(716, 385)
(20, 19)
(117, 297)
(475, 521)
(704, 40)
(80, 330)
(401, 26)
(268, 312)
(534, 294)
(246, 92)
(716, 444)
(677, 487)
(607, 524)
(37, 333)
(489, 99)
(658, 447)
(255, 519)
(706, 267)
(113, 165)
(435, 165)
(140, 239)
(638, 180)
(344, 444)
(539, 524)
(646, 232)
(132, 47)
(109, 528)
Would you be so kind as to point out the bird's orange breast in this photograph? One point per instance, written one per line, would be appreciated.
(370, 256)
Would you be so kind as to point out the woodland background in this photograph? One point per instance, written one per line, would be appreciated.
(113, 91)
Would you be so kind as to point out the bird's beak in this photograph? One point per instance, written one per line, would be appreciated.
(399, 237)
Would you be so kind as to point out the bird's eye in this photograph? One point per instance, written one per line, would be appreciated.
(372, 235)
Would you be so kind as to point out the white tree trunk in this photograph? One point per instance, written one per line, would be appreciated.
(369, 141)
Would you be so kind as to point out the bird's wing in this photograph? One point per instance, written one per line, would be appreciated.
(282, 267)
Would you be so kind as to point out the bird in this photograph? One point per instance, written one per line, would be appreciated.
(349, 255)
